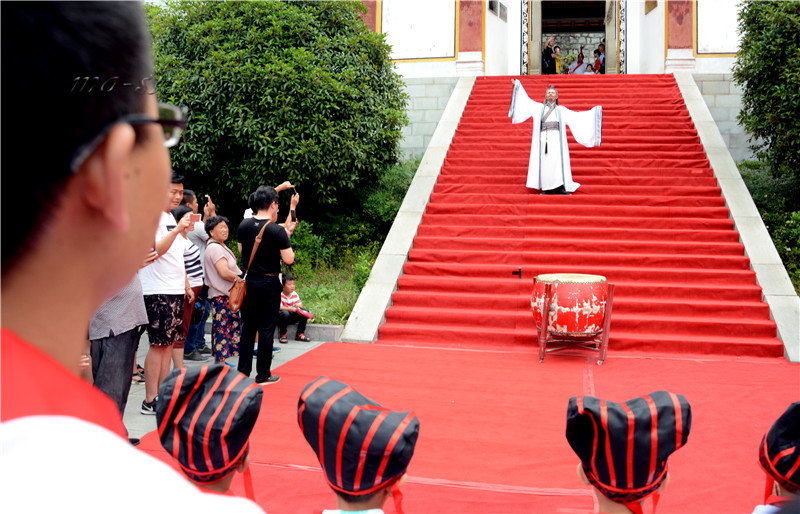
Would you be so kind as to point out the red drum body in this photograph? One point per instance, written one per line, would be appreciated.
(577, 306)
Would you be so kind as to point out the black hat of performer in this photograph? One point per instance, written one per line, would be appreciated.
(205, 415)
(361, 445)
(623, 447)
(779, 453)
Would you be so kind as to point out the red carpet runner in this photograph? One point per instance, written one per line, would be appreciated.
(648, 216)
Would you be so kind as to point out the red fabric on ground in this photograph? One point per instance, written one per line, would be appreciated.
(492, 425)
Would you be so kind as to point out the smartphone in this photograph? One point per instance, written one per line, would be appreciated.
(295, 190)
(195, 218)
(294, 216)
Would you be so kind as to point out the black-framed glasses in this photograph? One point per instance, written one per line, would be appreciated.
(171, 118)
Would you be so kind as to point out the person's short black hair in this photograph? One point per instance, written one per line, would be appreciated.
(556, 47)
(51, 54)
(597, 51)
(176, 178)
(262, 198)
(287, 277)
(181, 211)
(188, 196)
(213, 221)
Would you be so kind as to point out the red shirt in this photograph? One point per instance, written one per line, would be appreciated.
(32, 383)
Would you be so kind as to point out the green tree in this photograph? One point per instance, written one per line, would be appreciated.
(299, 91)
(767, 69)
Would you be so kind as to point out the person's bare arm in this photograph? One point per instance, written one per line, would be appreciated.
(287, 255)
(163, 245)
(284, 186)
(224, 271)
(209, 209)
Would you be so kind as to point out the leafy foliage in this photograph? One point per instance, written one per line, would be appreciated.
(299, 91)
(778, 202)
(766, 68)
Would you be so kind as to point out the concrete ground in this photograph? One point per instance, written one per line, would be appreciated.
(139, 424)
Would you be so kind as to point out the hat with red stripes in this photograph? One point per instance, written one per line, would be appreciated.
(204, 416)
(779, 453)
(361, 445)
(624, 447)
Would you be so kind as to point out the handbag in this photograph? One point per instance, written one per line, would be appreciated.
(239, 288)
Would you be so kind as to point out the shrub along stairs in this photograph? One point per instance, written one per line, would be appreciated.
(649, 216)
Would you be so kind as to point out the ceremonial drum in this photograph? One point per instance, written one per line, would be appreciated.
(577, 306)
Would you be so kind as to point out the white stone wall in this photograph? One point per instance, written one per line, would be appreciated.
(428, 98)
(724, 100)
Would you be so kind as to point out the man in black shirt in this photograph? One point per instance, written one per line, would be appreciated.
(263, 299)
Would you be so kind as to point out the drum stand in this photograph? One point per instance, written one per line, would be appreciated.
(597, 342)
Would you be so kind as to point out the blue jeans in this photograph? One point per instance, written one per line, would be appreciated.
(196, 336)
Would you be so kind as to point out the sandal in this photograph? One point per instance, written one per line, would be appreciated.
(138, 378)
(139, 369)
(303, 338)
(283, 339)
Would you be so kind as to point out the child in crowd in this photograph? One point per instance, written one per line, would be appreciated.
(205, 415)
(633, 464)
(363, 476)
(292, 311)
(779, 457)
(597, 61)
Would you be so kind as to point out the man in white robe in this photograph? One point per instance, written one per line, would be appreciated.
(549, 168)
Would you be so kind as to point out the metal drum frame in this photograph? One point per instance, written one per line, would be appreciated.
(597, 342)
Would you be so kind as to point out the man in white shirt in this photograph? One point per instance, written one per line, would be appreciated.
(164, 285)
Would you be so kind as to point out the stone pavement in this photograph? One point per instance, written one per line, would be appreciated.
(139, 424)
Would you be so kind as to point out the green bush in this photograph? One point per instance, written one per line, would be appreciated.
(766, 68)
(299, 91)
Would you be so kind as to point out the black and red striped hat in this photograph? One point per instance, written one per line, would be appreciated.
(779, 453)
(361, 446)
(204, 416)
(624, 447)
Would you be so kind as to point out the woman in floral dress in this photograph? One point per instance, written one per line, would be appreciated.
(221, 270)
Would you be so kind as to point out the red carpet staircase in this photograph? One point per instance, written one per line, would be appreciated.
(649, 216)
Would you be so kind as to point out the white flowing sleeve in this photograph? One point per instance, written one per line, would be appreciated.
(521, 107)
(586, 126)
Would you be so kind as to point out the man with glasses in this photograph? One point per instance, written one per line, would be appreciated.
(92, 162)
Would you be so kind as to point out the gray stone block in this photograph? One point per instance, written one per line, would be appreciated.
(758, 244)
(424, 128)
(439, 90)
(716, 87)
(720, 114)
(729, 101)
(416, 90)
(398, 241)
(774, 280)
(710, 100)
(728, 127)
(424, 103)
(419, 192)
(785, 311)
(432, 116)
(412, 142)
(415, 116)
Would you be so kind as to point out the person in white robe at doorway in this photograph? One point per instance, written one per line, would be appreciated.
(549, 165)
